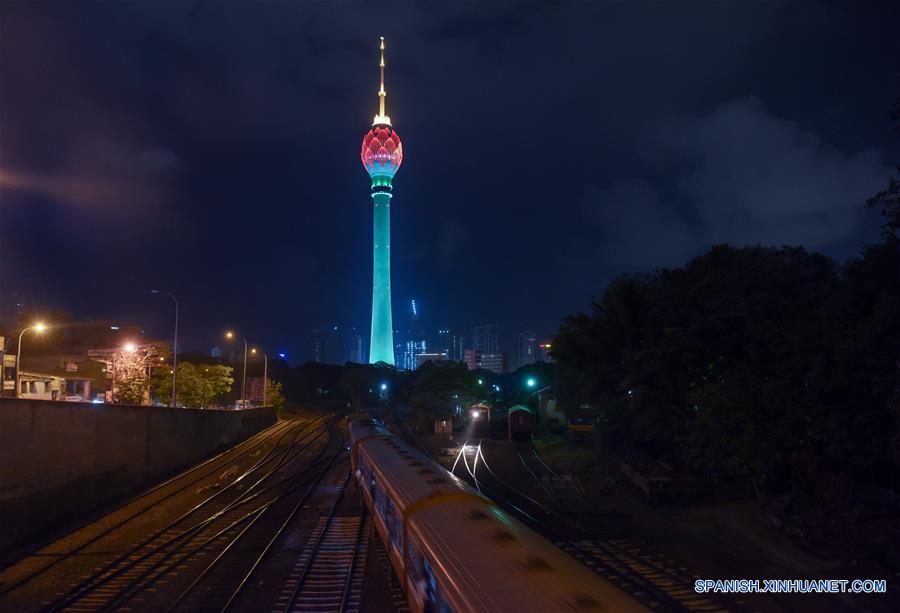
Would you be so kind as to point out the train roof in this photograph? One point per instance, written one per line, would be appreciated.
(519, 407)
(365, 427)
(496, 562)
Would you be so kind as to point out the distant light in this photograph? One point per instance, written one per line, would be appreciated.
(129, 347)
(96, 401)
(281, 355)
(383, 386)
(114, 327)
(229, 334)
(480, 381)
(531, 382)
(474, 415)
(39, 327)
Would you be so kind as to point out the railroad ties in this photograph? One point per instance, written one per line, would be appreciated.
(328, 575)
(621, 561)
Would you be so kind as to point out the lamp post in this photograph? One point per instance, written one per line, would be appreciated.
(174, 343)
(39, 328)
(265, 375)
(230, 335)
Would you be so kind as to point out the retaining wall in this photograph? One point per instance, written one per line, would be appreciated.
(59, 460)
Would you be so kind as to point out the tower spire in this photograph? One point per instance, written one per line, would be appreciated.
(381, 117)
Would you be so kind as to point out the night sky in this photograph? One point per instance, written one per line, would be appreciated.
(212, 149)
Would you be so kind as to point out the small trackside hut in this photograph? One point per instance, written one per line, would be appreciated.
(455, 550)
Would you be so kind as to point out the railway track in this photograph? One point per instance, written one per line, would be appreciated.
(156, 497)
(328, 575)
(195, 542)
(659, 583)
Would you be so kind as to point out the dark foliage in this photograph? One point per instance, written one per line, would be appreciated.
(746, 358)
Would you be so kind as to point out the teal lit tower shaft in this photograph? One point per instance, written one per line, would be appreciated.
(381, 344)
(381, 155)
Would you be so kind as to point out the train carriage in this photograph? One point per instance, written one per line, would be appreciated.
(520, 422)
(455, 550)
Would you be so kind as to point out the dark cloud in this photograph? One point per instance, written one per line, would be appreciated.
(744, 176)
(636, 229)
(451, 237)
(213, 148)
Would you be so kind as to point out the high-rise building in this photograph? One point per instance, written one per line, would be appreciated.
(357, 349)
(332, 343)
(494, 362)
(381, 155)
(451, 343)
(486, 339)
(544, 352)
(457, 348)
(411, 351)
(527, 348)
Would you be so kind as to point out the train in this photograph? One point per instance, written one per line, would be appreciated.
(480, 412)
(455, 550)
(520, 422)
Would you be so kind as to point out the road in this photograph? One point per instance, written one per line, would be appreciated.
(274, 523)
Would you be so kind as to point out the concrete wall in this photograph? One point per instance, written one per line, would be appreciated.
(61, 459)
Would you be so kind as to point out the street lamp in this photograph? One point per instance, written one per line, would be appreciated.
(128, 347)
(531, 382)
(265, 373)
(230, 335)
(174, 343)
(39, 328)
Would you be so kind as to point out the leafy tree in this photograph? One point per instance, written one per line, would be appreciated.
(131, 372)
(358, 381)
(745, 358)
(274, 395)
(198, 384)
(440, 385)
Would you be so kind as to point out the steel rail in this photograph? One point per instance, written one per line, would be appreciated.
(264, 437)
(140, 582)
(277, 535)
(297, 506)
(548, 531)
(318, 542)
(108, 573)
(348, 582)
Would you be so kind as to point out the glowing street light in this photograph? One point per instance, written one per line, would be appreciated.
(531, 382)
(174, 343)
(129, 347)
(230, 335)
(39, 328)
(265, 373)
(384, 387)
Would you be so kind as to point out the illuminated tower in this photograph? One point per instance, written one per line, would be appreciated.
(381, 155)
